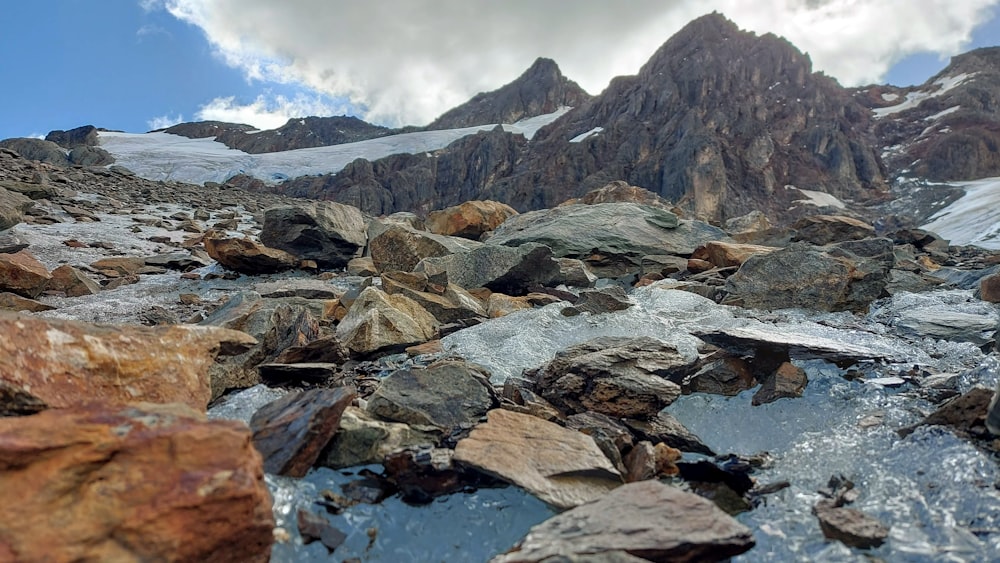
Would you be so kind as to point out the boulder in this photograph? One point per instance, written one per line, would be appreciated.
(37, 149)
(616, 376)
(826, 229)
(131, 483)
(12, 208)
(620, 233)
(470, 219)
(788, 381)
(649, 520)
(329, 233)
(182, 261)
(760, 339)
(379, 321)
(965, 414)
(400, 248)
(14, 302)
(446, 394)
(849, 526)
(72, 282)
(989, 288)
(65, 363)
(243, 255)
(574, 273)
(562, 467)
(23, 274)
(274, 323)
(451, 306)
(85, 135)
(621, 192)
(846, 276)
(363, 440)
(90, 156)
(721, 254)
(326, 349)
(504, 269)
(664, 428)
(291, 432)
(599, 301)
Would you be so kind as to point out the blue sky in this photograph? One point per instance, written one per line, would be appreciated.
(133, 64)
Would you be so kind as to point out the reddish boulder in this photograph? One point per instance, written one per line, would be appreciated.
(22, 274)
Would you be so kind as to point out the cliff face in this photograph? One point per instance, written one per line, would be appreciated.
(299, 133)
(947, 129)
(541, 89)
(719, 121)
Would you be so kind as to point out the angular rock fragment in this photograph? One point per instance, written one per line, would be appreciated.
(400, 248)
(788, 381)
(378, 321)
(23, 274)
(363, 440)
(243, 255)
(469, 219)
(329, 233)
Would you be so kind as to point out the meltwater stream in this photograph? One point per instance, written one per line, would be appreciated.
(937, 492)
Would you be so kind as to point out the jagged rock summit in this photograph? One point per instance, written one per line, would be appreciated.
(541, 89)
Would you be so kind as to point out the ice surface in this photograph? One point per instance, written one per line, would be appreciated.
(242, 404)
(162, 156)
(461, 527)
(974, 218)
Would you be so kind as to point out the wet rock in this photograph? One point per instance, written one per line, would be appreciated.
(23, 274)
(503, 269)
(400, 248)
(621, 232)
(313, 527)
(616, 376)
(276, 326)
(993, 413)
(72, 282)
(562, 467)
(12, 208)
(362, 440)
(14, 302)
(826, 229)
(966, 415)
(664, 428)
(630, 520)
(598, 301)
(329, 233)
(788, 381)
(131, 483)
(379, 321)
(291, 432)
(243, 255)
(849, 526)
(845, 276)
(726, 376)
(66, 363)
(469, 219)
(444, 395)
(425, 472)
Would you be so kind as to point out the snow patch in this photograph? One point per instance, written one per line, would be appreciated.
(913, 99)
(972, 219)
(890, 97)
(819, 199)
(942, 113)
(583, 136)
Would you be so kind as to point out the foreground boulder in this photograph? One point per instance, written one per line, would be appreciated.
(563, 467)
(640, 521)
(131, 483)
(846, 276)
(616, 376)
(245, 256)
(378, 321)
(469, 219)
(65, 363)
(23, 274)
(329, 233)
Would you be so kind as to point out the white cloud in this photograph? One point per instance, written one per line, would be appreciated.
(265, 112)
(164, 121)
(407, 61)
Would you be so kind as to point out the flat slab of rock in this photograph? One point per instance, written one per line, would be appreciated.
(849, 526)
(562, 467)
(745, 341)
(131, 483)
(445, 395)
(647, 520)
(616, 376)
(247, 256)
(291, 432)
(315, 372)
(65, 363)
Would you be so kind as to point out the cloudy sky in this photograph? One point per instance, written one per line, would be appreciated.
(137, 65)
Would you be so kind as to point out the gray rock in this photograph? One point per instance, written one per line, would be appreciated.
(362, 440)
(329, 233)
(648, 519)
(826, 229)
(291, 432)
(177, 261)
(598, 301)
(503, 269)
(574, 273)
(37, 149)
(947, 325)
(400, 248)
(12, 208)
(666, 429)
(79, 136)
(444, 395)
(751, 341)
(616, 376)
(90, 156)
(377, 321)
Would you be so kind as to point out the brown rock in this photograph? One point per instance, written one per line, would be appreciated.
(313, 527)
(965, 414)
(989, 288)
(562, 467)
(362, 266)
(123, 266)
(400, 248)
(727, 376)
(362, 440)
(377, 320)
(849, 526)
(22, 274)
(500, 305)
(470, 219)
(14, 302)
(291, 432)
(640, 463)
(648, 519)
(72, 282)
(787, 382)
(666, 458)
(136, 483)
(726, 254)
(826, 229)
(246, 256)
(66, 363)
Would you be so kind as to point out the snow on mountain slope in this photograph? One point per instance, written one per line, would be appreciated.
(162, 156)
(972, 219)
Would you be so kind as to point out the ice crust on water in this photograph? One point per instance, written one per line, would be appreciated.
(460, 527)
(242, 404)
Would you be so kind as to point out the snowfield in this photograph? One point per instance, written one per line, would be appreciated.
(162, 156)
(972, 219)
